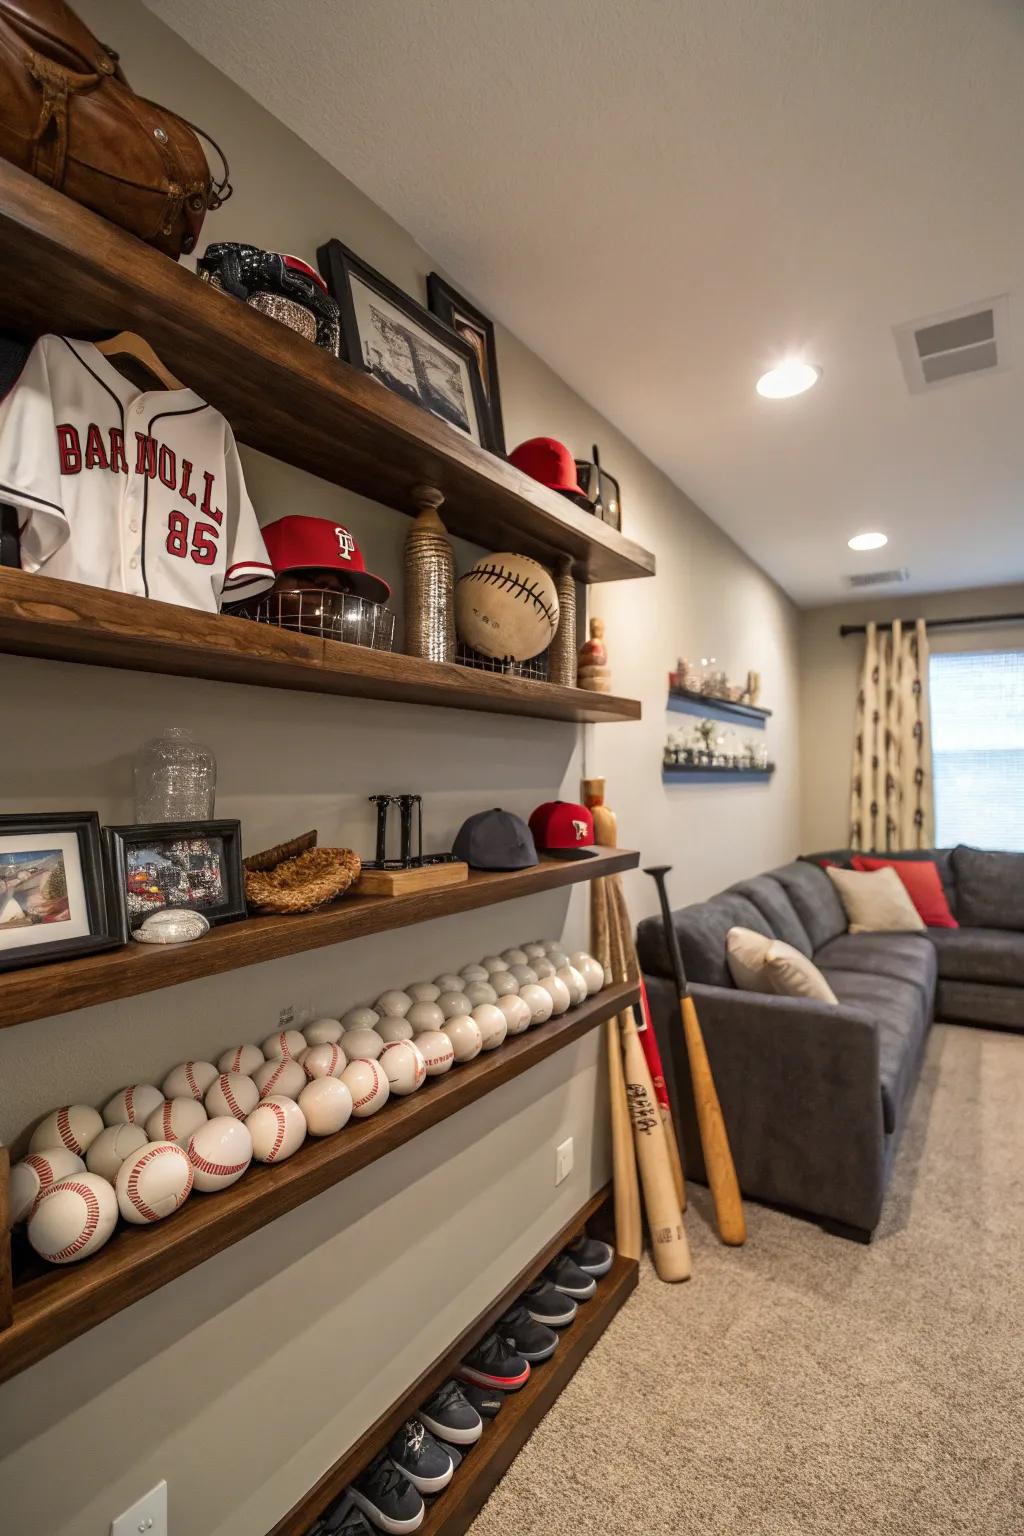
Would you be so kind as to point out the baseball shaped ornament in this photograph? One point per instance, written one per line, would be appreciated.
(75, 1128)
(454, 1002)
(503, 982)
(464, 1033)
(506, 607)
(575, 983)
(192, 1078)
(364, 1044)
(448, 981)
(367, 1083)
(395, 1029)
(590, 969)
(36, 1175)
(242, 1058)
(133, 1105)
(436, 1049)
(534, 951)
(153, 1182)
(220, 1152)
(480, 992)
(517, 1013)
(425, 1016)
(285, 1045)
(173, 1120)
(558, 992)
(524, 974)
(174, 925)
(545, 967)
(473, 973)
(326, 1105)
(231, 1094)
(73, 1219)
(393, 1002)
(539, 1001)
(322, 1032)
(404, 1067)
(514, 957)
(322, 1061)
(364, 1018)
(492, 1024)
(280, 1079)
(423, 991)
(278, 1128)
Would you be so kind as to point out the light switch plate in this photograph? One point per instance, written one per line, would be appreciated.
(563, 1160)
(147, 1517)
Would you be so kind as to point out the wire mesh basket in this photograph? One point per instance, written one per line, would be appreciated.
(534, 671)
(330, 615)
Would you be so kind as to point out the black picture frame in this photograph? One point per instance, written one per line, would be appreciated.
(462, 317)
(123, 842)
(96, 907)
(341, 268)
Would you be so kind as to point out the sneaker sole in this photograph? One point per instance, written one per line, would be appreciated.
(534, 1356)
(597, 1270)
(450, 1433)
(427, 1484)
(484, 1379)
(385, 1522)
(561, 1321)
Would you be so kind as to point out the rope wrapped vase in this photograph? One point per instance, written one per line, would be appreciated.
(562, 656)
(429, 567)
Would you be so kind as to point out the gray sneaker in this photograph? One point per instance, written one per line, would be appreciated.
(448, 1416)
(422, 1459)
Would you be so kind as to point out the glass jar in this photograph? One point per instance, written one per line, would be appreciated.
(175, 778)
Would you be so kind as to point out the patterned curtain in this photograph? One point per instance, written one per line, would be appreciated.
(891, 804)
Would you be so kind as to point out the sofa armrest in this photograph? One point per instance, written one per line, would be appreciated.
(800, 1091)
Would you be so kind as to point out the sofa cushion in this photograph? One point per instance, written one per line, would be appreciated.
(923, 886)
(900, 1014)
(901, 956)
(990, 888)
(875, 901)
(994, 955)
(760, 964)
(942, 858)
(701, 931)
(771, 900)
(817, 905)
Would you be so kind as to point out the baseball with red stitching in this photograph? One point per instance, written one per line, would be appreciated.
(285, 1045)
(436, 1049)
(74, 1127)
(73, 1219)
(191, 1079)
(220, 1152)
(327, 1106)
(242, 1058)
(153, 1183)
(322, 1032)
(368, 1085)
(30, 1179)
(284, 1076)
(175, 1120)
(506, 607)
(278, 1128)
(232, 1094)
(133, 1105)
(323, 1061)
(112, 1146)
(404, 1067)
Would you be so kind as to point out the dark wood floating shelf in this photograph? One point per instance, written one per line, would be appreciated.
(453, 1511)
(42, 990)
(697, 773)
(686, 702)
(63, 621)
(52, 1306)
(68, 270)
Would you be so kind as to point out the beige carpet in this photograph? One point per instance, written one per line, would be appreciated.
(806, 1384)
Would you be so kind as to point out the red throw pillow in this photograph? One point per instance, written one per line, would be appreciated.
(922, 883)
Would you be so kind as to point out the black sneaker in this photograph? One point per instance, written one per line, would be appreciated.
(387, 1497)
(534, 1341)
(592, 1257)
(448, 1416)
(566, 1276)
(421, 1458)
(547, 1304)
(486, 1400)
(494, 1364)
(456, 1456)
(342, 1519)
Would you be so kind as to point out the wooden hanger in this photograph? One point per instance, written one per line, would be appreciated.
(128, 348)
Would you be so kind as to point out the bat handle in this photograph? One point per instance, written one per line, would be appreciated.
(657, 873)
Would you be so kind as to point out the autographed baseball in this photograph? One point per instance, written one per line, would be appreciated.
(436, 1049)
(173, 1120)
(425, 1016)
(492, 1025)
(393, 1002)
(464, 1033)
(404, 1067)
(558, 992)
(322, 1032)
(242, 1058)
(220, 1152)
(539, 1001)
(75, 1128)
(153, 1182)
(276, 1078)
(284, 1045)
(36, 1175)
(506, 607)
(394, 1029)
(326, 1105)
(516, 1011)
(367, 1082)
(423, 991)
(277, 1127)
(73, 1219)
(363, 1043)
(133, 1105)
(323, 1061)
(192, 1078)
(362, 1018)
(232, 1094)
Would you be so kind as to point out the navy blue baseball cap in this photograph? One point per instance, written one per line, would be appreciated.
(496, 840)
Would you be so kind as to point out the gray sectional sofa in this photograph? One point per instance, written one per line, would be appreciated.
(815, 1096)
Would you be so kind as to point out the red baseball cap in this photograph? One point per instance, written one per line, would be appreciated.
(563, 830)
(314, 543)
(549, 461)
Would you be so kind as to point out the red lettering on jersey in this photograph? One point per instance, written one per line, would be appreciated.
(70, 450)
(168, 467)
(95, 453)
(118, 462)
(207, 509)
(186, 479)
(145, 455)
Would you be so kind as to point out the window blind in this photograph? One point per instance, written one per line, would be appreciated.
(977, 709)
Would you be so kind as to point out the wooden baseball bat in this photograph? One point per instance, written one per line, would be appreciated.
(649, 1041)
(625, 1185)
(714, 1139)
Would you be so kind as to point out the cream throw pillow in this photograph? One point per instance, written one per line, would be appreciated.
(875, 902)
(760, 964)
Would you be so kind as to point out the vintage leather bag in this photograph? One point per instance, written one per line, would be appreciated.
(70, 118)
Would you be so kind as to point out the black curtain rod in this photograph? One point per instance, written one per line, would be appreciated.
(973, 622)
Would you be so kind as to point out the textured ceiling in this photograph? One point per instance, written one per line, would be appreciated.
(663, 198)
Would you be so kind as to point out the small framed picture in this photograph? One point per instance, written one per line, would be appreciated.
(404, 345)
(194, 864)
(473, 326)
(55, 901)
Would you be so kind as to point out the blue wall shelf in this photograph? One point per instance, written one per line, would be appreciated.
(693, 773)
(686, 702)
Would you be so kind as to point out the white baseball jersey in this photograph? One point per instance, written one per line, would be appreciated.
(136, 492)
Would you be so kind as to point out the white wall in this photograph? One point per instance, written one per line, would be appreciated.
(321, 1319)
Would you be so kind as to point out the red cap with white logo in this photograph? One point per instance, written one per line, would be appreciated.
(314, 543)
(563, 830)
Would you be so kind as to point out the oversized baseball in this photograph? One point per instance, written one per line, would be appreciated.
(326, 1105)
(436, 1049)
(36, 1175)
(423, 991)
(277, 1127)
(392, 1002)
(425, 1016)
(362, 1018)
(284, 1078)
(574, 982)
(174, 1120)
(365, 1044)
(492, 1025)
(517, 1013)
(367, 1082)
(242, 1058)
(322, 1061)
(192, 1078)
(73, 1219)
(464, 1033)
(322, 1032)
(75, 1128)
(394, 1029)
(454, 1002)
(153, 1182)
(232, 1094)
(558, 992)
(133, 1105)
(404, 1067)
(539, 1001)
(506, 607)
(285, 1045)
(448, 981)
(590, 969)
(220, 1152)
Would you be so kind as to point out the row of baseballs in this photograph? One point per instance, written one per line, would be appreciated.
(206, 1123)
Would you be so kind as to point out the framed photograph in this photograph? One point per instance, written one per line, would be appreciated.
(195, 864)
(601, 490)
(468, 322)
(404, 345)
(55, 902)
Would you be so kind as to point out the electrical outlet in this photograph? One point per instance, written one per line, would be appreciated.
(563, 1160)
(148, 1517)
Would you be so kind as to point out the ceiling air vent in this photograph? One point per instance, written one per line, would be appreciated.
(878, 578)
(947, 347)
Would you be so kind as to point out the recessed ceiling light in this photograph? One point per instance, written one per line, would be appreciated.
(868, 540)
(789, 378)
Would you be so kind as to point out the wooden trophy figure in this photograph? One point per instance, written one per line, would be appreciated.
(592, 670)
